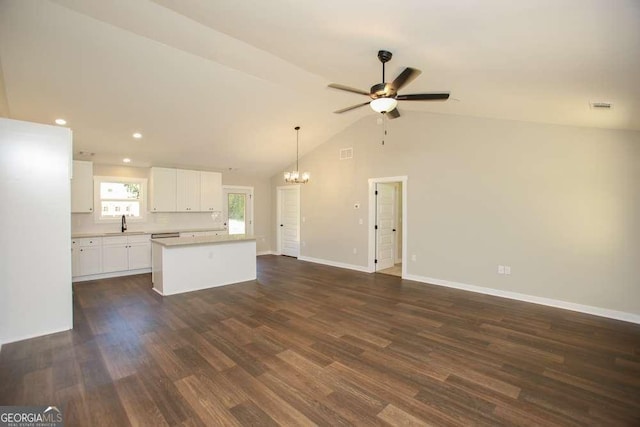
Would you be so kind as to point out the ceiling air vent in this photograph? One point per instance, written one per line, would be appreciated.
(346, 153)
(601, 105)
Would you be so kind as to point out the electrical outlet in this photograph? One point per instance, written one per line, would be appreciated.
(507, 270)
(501, 269)
(413, 257)
(360, 221)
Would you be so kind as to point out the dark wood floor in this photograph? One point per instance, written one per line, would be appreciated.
(307, 344)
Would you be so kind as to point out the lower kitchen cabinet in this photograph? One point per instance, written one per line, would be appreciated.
(139, 252)
(111, 254)
(203, 233)
(114, 254)
(217, 233)
(86, 256)
(123, 253)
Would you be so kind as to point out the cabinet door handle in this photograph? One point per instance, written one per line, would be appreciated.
(80, 250)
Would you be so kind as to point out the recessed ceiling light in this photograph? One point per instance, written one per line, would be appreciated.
(126, 160)
(137, 135)
(61, 122)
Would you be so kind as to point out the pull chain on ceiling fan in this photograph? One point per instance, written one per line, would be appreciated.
(384, 96)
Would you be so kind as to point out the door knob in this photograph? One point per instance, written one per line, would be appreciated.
(281, 225)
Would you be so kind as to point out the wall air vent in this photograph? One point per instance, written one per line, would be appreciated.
(346, 153)
(601, 105)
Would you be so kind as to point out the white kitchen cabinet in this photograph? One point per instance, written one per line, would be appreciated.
(122, 253)
(110, 254)
(75, 259)
(115, 255)
(210, 191)
(163, 190)
(182, 190)
(188, 190)
(89, 256)
(217, 233)
(82, 187)
(189, 234)
(139, 252)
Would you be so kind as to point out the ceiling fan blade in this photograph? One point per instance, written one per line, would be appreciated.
(393, 114)
(353, 107)
(424, 97)
(348, 89)
(405, 78)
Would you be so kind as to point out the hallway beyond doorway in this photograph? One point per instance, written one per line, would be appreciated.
(396, 270)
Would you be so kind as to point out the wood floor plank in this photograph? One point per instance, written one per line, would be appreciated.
(309, 344)
(397, 417)
(205, 402)
(140, 408)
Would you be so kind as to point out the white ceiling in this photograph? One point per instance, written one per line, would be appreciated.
(221, 84)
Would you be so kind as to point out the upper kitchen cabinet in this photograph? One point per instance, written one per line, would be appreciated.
(188, 194)
(181, 190)
(163, 190)
(82, 187)
(210, 191)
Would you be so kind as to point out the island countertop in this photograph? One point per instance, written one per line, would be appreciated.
(203, 240)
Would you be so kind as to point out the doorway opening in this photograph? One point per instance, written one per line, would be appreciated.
(288, 220)
(237, 209)
(387, 235)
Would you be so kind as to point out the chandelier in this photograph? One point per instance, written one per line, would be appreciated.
(294, 177)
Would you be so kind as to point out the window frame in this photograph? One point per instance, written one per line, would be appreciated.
(97, 200)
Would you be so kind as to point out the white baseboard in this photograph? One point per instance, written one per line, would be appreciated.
(39, 334)
(157, 292)
(588, 309)
(110, 275)
(334, 264)
(265, 253)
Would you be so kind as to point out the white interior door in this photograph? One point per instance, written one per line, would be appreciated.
(238, 209)
(385, 217)
(289, 221)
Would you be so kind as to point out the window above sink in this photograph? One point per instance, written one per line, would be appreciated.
(117, 196)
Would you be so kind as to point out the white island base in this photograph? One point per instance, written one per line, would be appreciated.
(185, 264)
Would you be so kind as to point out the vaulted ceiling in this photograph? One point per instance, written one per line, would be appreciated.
(221, 84)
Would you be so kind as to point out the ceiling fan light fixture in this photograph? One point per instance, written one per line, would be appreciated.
(383, 105)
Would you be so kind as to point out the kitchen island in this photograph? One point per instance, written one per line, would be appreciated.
(185, 264)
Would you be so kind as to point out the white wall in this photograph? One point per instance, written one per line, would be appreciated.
(35, 249)
(85, 223)
(559, 204)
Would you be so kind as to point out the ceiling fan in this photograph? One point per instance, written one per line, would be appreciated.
(384, 96)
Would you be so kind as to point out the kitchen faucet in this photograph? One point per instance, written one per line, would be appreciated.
(124, 223)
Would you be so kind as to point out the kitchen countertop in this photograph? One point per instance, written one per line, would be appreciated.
(133, 233)
(203, 240)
